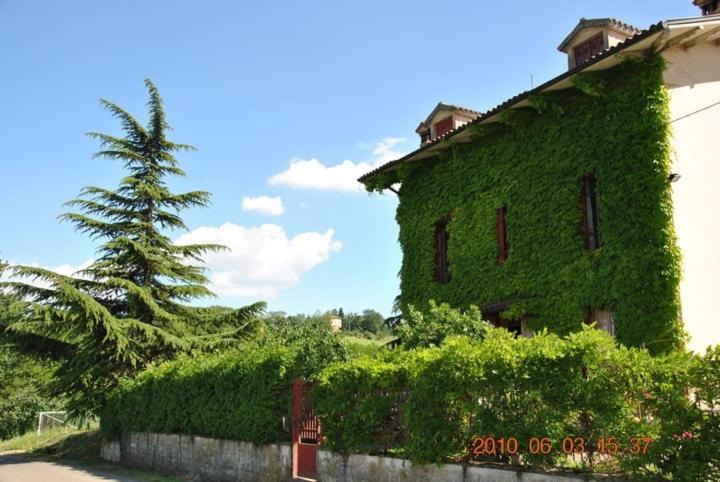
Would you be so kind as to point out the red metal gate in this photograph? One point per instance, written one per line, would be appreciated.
(307, 435)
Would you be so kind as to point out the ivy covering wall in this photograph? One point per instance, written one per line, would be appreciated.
(613, 124)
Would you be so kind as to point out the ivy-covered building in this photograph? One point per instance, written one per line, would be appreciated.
(592, 197)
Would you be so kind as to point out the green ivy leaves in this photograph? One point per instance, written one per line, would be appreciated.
(614, 124)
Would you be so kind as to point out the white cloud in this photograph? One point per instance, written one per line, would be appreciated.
(69, 269)
(264, 204)
(63, 269)
(262, 260)
(313, 174)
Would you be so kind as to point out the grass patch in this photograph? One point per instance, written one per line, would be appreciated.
(359, 346)
(30, 442)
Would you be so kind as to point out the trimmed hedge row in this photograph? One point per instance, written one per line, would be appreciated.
(239, 396)
(429, 404)
(439, 399)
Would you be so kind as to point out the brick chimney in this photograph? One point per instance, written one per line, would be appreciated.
(708, 7)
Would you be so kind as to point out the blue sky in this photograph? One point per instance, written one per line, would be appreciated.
(256, 86)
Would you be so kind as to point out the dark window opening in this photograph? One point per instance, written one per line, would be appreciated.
(501, 232)
(442, 265)
(589, 48)
(590, 226)
(513, 326)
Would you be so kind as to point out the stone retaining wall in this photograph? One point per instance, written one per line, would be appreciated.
(213, 460)
(363, 468)
(202, 458)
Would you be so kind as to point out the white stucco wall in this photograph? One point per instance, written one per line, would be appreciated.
(693, 79)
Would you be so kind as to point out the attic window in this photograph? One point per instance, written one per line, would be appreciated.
(443, 127)
(442, 265)
(586, 50)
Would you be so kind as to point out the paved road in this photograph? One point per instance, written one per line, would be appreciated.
(23, 468)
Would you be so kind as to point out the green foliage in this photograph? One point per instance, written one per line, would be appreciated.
(240, 395)
(314, 343)
(24, 377)
(429, 404)
(590, 83)
(369, 321)
(581, 386)
(532, 163)
(24, 381)
(357, 402)
(127, 308)
(684, 388)
(423, 329)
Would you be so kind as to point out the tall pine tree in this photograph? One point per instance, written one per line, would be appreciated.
(130, 306)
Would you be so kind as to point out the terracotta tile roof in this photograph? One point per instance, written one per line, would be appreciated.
(598, 22)
(443, 106)
(641, 35)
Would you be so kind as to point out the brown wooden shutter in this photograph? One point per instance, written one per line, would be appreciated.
(584, 219)
(443, 127)
(586, 50)
(442, 237)
(590, 221)
(501, 236)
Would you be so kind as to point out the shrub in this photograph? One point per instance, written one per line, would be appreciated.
(314, 343)
(685, 387)
(506, 387)
(431, 403)
(421, 330)
(358, 404)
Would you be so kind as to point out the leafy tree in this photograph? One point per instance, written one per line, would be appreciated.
(24, 381)
(24, 376)
(369, 321)
(422, 330)
(129, 307)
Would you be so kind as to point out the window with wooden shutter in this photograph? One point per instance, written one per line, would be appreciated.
(586, 50)
(501, 233)
(442, 236)
(590, 222)
(443, 127)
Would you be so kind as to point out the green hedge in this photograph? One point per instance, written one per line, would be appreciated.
(582, 385)
(358, 402)
(242, 396)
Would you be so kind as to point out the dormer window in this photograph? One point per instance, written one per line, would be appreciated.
(709, 7)
(588, 49)
(591, 37)
(443, 119)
